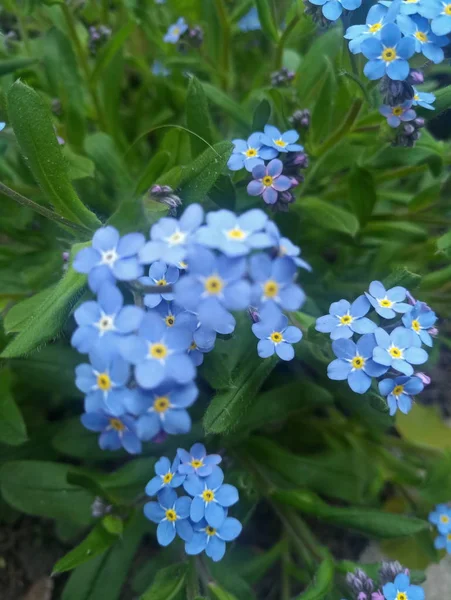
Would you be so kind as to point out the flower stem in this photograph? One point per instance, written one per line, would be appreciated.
(192, 582)
(282, 41)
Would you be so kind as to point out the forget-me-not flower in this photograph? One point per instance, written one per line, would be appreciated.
(169, 237)
(213, 540)
(441, 542)
(399, 349)
(282, 142)
(2, 126)
(425, 41)
(160, 274)
(345, 319)
(275, 334)
(110, 257)
(197, 461)
(196, 352)
(387, 302)
(172, 515)
(396, 115)
(250, 153)
(355, 363)
(115, 432)
(441, 518)
(235, 235)
(176, 316)
(402, 587)
(105, 322)
(166, 475)
(440, 12)
(419, 320)
(268, 181)
(250, 21)
(285, 247)
(332, 9)
(159, 69)
(175, 31)
(411, 7)
(274, 282)
(399, 392)
(388, 55)
(374, 23)
(211, 497)
(423, 99)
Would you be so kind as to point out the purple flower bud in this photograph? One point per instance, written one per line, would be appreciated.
(389, 570)
(377, 596)
(415, 77)
(426, 380)
(65, 256)
(165, 195)
(433, 331)
(419, 122)
(99, 508)
(253, 313)
(409, 129)
(160, 437)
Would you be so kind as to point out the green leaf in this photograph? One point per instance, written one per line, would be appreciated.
(33, 127)
(17, 316)
(10, 65)
(444, 242)
(41, 489)
(267, 20)
(443, 100)
(12, 426)
(198, 117)
(113, 524)
(110, 49)
(78, 166)
(49, 316)
(97, 541)
(168, 583)
(362, 196)
(322, 583)
(219, 593)
(261, 115)
(226, 103)
(328, 215)
(425, 198)
(404, 277)
(155, 167)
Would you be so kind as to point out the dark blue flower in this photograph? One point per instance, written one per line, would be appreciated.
(166, 475)
(159, 353)
(105, 322)
(285, 247)
(213, 540)
(387, 302)
(418, 28)
(172, 515)
(211, 497)
(110, 257)
(332, 9)
(395, 115)
(274, 282)
(282, 142)
(420, 319)
(159, 274)
(268, 181)
(399, 392)
(275, 334)
(354, 363)
(175, 31)
(399, 350)
(197, 461)
(389, 55)
(249, 153)
(441, 517)
(375, 20)
(345, 319)
(402, 585)
(116, 432)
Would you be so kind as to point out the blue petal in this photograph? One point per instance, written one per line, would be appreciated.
(338, 370)
(154, 512)
(184, 529)
(230, 529)
(197, 509)
(227, 495)
(197, 544)
(359, 381)
(214, 514)
(165, 533)
(215, 549)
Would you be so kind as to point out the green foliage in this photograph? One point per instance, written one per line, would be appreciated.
(167, 584)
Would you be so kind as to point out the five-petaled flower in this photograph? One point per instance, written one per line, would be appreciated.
(396, 115)
(420, 319)
(172, 515)
(268, 181)
(282, 142)
(387, 302)
(332, 9)
(399, 349)
(423, 99)
(345, 319)
(175, 31)
(375, 21)
(160, 274)
(250, 153)
(273, 282)
(399, 392)
(388, 55)
(275, 334)
(401, 589)
(426, 42)
(166, 475)
(115, 432)
(197, 461)
(441, 517)
(211, 539)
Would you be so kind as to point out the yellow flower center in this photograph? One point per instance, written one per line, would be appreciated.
(103, 382)
(178, 237)
(385, 303)
(183, 264)
(192, 346)
(161, 404)
(213, 285)
(267, 181)
(117, 425)
(276, 337)
(416, 97)
(346, 319)
(210, 530)
(401, 596)
(448, 537)
(170, 320)
(375, 27)
(195, 463)
(251, 152)
(399, 389)
(280, 143)
(168, 477)
(397, 111)
(416, 325)
(171, 515)
(236, 234)
(208, 495)
(176, 31)
(271, 289)
(158, 351)
(444, 519)
(162, 282)
(447, 9)
(395, 352)
(411, 1)
(388, 54)
(358, 362)
(422, 37)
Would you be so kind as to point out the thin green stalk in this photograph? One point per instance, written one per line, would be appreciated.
(192, 583)
(226, 39)
(285, 582)
(283, 39)
(23, 33)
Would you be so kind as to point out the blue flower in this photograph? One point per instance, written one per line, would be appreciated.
(275, 334)
(211, 497)
(285, 247)
(159, 353)
(402, 584)
(441, 542)
(412, 7)
(196, 352)
(233, 235)
(375, 20)
(268, 181)
(159, 274)
(2, 126)
(212, 287)
(250, 153)
(250, 21)
(345, 319)
(273, 282)
(282, 142)
(176, 31)
(105, 322)
(197, 461)
(425, 41)
(159, 69)
(440, 12)
(419, 320)
(212, 539)
(332, 9)
(116, 432)
(424, 99)
(388, 56)
(397, 114)
(441, 517)
(111, 257)
(399, 392)
(103, 382)
(171, 514)
(354, 363)
(166, 475)
(162, 409)
(176, 316)
(387, 302)
(399, 350)
(170, 237)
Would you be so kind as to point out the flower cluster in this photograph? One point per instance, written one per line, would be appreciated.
(200, 519)
(382, 349)
(146, 340)
(441, 518)
(394, 584)
(274, 180)
(183, 35)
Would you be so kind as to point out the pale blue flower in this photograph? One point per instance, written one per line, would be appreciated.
(399, 350)
(399, 392)
(375, 20)
(176, 31)
(332, 9)
(395, 115)
(418, 28)
(282, 142)
(250, 153)
(388, 55)
(213, 540)
(423, 99)
(387, 302)
(345, 319)
(172, 515)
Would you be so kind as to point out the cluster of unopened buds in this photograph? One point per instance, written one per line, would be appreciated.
(394, 582)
